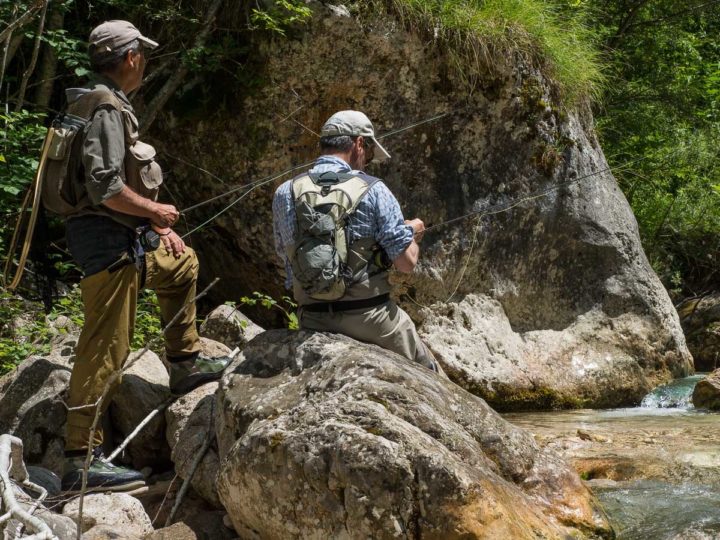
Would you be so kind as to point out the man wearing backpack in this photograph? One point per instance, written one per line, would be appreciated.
(339, 231)
(114, 229)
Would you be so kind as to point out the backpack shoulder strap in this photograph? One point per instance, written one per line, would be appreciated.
(87, 104)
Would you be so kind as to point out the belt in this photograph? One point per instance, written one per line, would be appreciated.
(346, 305)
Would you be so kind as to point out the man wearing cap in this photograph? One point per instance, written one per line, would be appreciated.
(376, 227)
(113, 233)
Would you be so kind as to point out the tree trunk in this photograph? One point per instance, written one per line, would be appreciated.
(177, 77)
(48, 64)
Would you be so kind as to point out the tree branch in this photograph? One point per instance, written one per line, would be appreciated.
(177, 77)
(33, 61)
(22, 20)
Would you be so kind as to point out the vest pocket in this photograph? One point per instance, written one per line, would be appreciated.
(142, 172)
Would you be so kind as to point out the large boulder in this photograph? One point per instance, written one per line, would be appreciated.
(190, 422)
(707, 392)
(700, 320)
(321, 436)
(229, 326)
(563, 273)
(32, 406)
(105, 514)
(144, 387)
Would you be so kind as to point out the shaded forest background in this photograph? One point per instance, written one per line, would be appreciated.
(651, 69)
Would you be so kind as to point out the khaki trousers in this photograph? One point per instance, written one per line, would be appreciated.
(386, 325)
(110, 302)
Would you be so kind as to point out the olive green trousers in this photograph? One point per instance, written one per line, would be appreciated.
(110, 302)
(386, 325)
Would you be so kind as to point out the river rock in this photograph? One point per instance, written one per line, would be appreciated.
(707, 392)
(321, 436)
(31, 404)
(190, 421)
(563, 270)
(62, 527)
(144, 387)
(700, 319)
(111, 513)
(229, 326)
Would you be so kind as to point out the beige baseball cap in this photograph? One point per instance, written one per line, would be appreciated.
(111, 35)
(353, 123)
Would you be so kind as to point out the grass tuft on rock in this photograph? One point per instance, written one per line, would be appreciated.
(482, 35)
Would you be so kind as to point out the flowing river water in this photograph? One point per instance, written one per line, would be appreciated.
(655, 468)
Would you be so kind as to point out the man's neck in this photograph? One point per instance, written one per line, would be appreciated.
(345, 156)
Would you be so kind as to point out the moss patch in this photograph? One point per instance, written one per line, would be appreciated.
(482, 35)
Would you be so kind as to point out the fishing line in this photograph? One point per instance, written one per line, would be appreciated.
(263, 181)
(499, 208)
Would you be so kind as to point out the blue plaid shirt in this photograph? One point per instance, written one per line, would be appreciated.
(377, 216)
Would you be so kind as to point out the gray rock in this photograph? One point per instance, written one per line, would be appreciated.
(211, 347)
(550, 263)
(112, 513)
(321, 436)
(188, 422)
(542, 369)
(700, 320)
(229, 326)
(144, 387)
(31, 404)
(707, 392)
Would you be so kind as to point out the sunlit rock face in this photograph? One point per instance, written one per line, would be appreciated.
(321, 436)
(549, 304)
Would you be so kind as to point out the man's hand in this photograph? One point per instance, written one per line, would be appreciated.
(164, 215)
(418, 226)
(171, 241)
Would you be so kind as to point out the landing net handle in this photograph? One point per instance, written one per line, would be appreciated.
(33, 193)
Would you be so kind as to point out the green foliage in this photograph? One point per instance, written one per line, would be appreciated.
(24, 328)
(663, 106)
(479, 34)
(70, 50)
(148, 325)
(280, 16)
(268, 302)
(21, 137)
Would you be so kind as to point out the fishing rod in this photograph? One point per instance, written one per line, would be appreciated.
(252, 186)
(268, 179)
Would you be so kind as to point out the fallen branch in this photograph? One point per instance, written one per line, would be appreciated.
(193, 467)
(138, 429)
(12, 465)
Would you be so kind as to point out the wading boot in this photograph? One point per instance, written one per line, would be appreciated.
(102, 476)
(188, 374)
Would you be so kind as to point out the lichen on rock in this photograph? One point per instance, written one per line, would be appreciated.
(322, 436)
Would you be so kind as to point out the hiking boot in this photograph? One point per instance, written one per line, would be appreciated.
(102, 476)
(186, 375)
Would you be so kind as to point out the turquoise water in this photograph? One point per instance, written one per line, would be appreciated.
(654, 510)
(649, 510)
(675, 395)
(666, 428)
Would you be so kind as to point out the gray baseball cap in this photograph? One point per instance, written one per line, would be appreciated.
(111, 35)
(353, 123)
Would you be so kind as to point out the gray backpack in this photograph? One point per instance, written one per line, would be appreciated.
(319, 255)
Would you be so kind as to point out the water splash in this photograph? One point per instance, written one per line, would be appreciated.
(674, 395)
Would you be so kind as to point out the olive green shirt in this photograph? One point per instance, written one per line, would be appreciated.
(103, 152)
